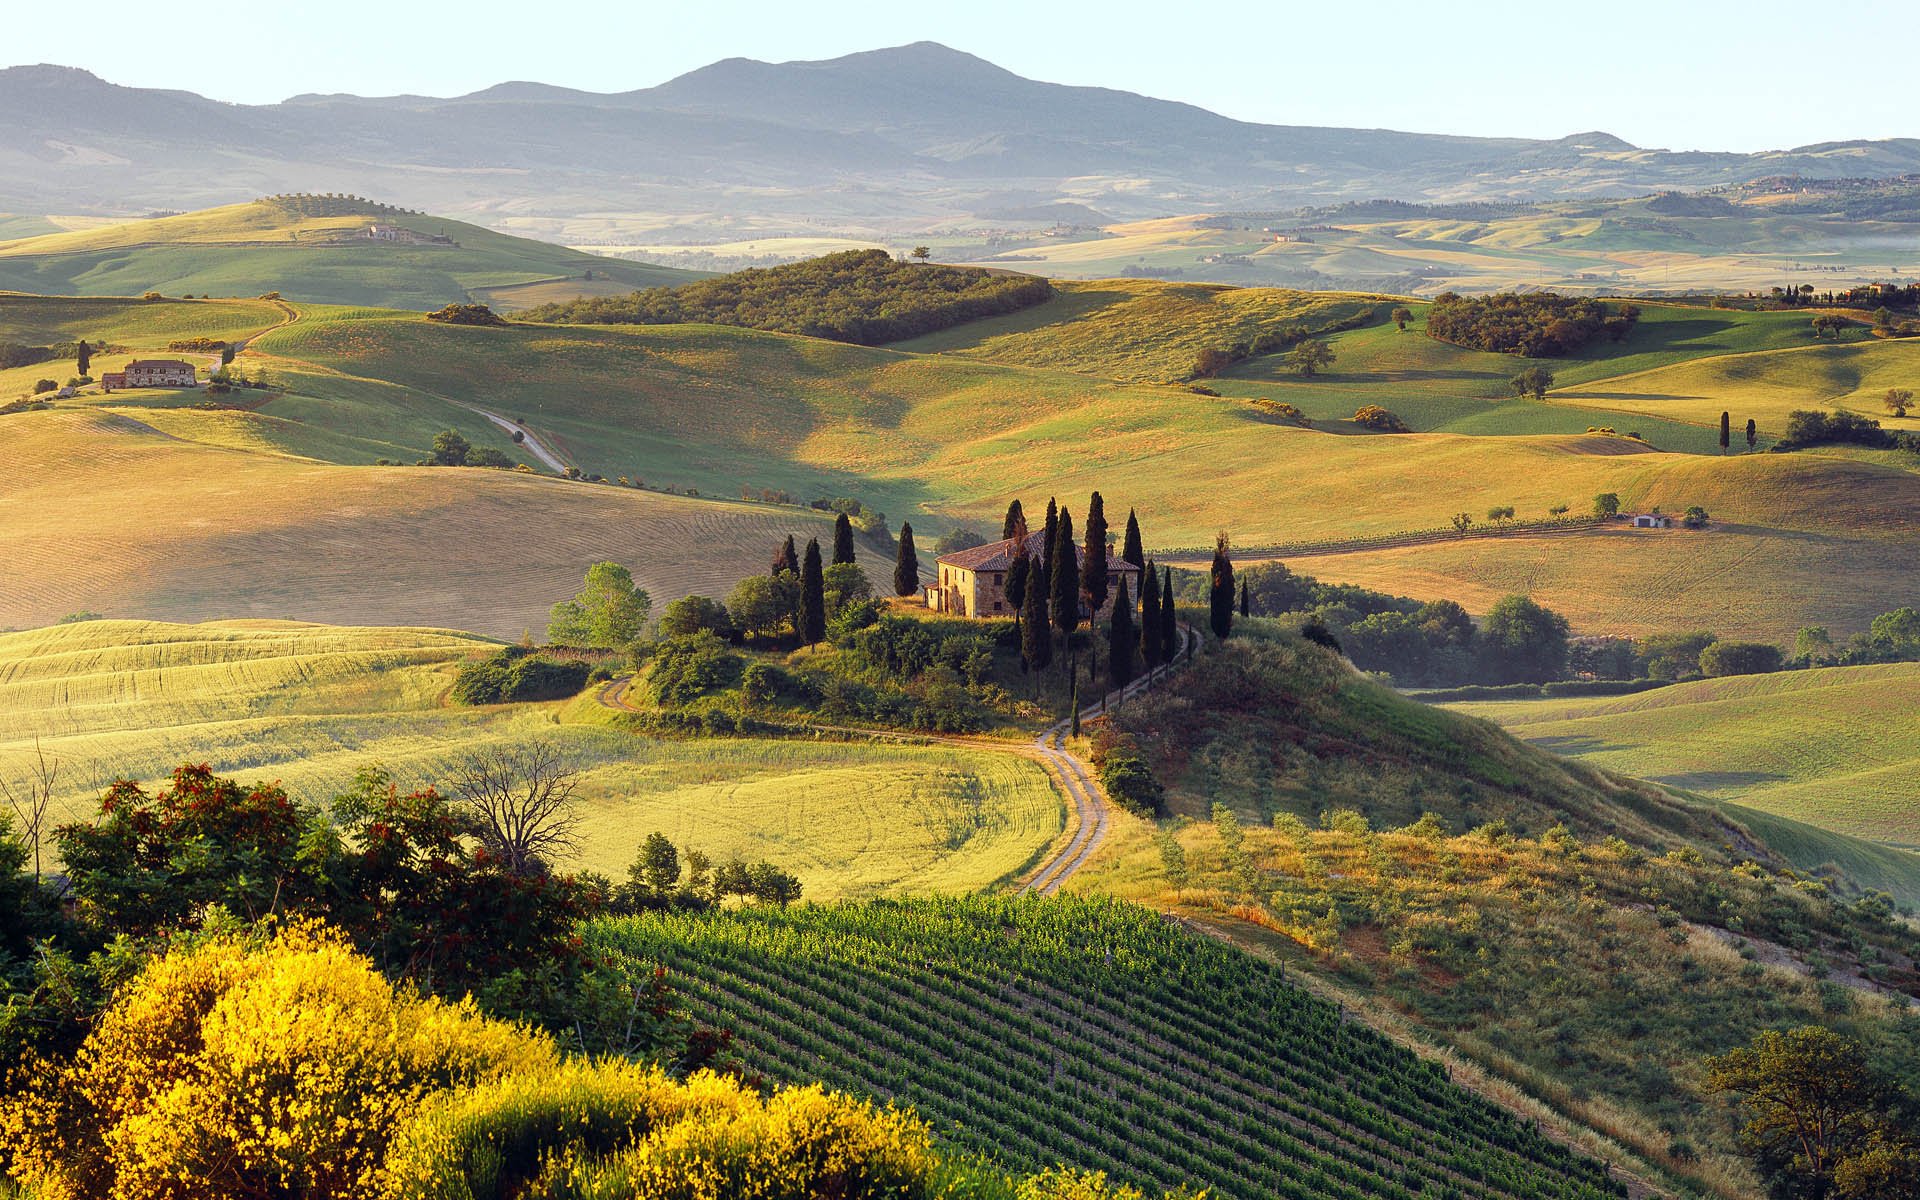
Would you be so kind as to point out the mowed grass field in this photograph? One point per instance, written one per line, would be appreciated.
(249, 249)
(310, 706)
(1837, 747)
(142, 327)
(105, 513)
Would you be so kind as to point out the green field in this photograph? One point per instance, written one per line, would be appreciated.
(1836, 747)
(249, 249)
(1100, 1035)
(312, 705)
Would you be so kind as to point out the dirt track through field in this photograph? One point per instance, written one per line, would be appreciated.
(1086, 802)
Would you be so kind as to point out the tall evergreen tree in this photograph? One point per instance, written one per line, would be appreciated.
(1036, 639)
(786, 558)
(1019, 573)
(813, 596)
(1016, 522)
(1169, 619)
(1047, 558)
(1150, 617)
(1726, 431)
(83, 357)
(1246, 609)
(906, 564)
(1093, 563)
(1065, 596)
(842, 539)
(1221, 596)
(1122, 638)
(1753, 434)
(1130, 550)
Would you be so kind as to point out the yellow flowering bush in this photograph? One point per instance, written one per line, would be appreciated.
(237, 1069)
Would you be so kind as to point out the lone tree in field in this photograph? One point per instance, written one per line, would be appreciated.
(1015, 524)
(1753, 435)
(518, 802)
(1534, 381)
(1462, 522)
(1400, 317)
(1036, 640)
(1150, 617)
(449, 449)
(1898, 401)
(83, 357)
(1122, 638)
(922, 253)
(1726, 431)
(813, 596)
(1500, 514)
(1246, 606)
(1606, 504)
(1221, 595)
(842, 539)
(1130, 550)
(1309, 357)
(786, 560)
(1093, 561)
(906, 564)
(608, 613)
(1169, 620)
(1065, 598)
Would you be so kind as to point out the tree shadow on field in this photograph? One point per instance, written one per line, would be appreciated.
(1576, 745)
(1720, 781)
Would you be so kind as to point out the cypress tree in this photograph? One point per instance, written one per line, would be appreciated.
(1046, 547)
(83, 358)
(1150, 617)
(786, 558)
(1036, 641)
(1130, 550)
(1016, 522)
(1019, 573)
(1221, 597)
(1093, 563)
(1122, 638)
(906, 564)
(813, 596)
(1753, 434)
(1066, 584)
(1726, 431)
(1246, 610)
(1169, 619)
(842, 540)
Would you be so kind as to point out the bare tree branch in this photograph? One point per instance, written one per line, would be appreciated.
(519, 800)
(32, 798)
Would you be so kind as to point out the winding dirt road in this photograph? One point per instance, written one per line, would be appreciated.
(1088, 804)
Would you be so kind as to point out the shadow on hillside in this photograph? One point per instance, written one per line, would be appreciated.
(1719, 781)
(1586, 395)
(1576, 745)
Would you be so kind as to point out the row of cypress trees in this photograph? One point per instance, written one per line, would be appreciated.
(810, 620)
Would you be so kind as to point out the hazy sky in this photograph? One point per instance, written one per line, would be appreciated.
(1682, 74)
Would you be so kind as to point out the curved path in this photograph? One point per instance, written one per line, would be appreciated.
(529, 441)
(1091, 812)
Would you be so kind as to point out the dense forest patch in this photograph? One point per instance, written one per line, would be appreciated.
(1533, 325)
(860, 296)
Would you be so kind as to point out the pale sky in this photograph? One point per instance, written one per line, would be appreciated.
(1679, 74)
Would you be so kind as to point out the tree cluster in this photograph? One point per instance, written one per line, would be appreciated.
(1531, 324)
(1816, 427)
(466, 314)
(515, 674)
(861, 296)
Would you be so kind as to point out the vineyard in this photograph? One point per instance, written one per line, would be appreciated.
(1095, 1033)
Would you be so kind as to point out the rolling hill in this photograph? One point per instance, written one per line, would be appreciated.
(1836, 747)
(315, 249)
(312, 705)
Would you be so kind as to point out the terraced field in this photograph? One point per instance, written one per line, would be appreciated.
(1837, 747)
(312, 705)
(1098, 1034)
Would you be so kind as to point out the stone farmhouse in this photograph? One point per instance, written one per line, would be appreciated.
(972, 583)
(150, 372)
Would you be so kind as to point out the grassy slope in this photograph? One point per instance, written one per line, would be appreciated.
(1043, 1031)
(1837, 747)
(1544, 966)
(1764, 386)
(107, 513)
(311, 705)
(143, 328)
(247, 249)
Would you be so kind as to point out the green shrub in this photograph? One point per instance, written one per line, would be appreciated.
(514, 675)
(687, 668)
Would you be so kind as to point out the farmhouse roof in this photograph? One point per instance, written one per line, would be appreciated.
(159, 364)
(998, 556)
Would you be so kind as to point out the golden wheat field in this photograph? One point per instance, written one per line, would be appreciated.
(311, 705)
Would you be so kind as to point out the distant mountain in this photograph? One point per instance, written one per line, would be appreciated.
(915, 133)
